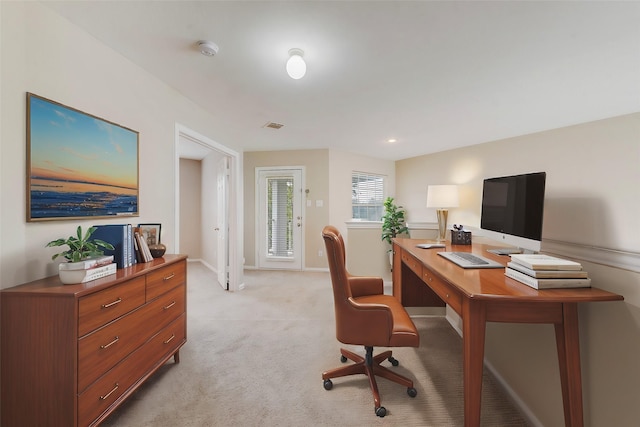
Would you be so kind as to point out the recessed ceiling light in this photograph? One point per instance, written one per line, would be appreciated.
(392, 140)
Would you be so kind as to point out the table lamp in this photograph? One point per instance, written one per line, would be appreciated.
(442, 197)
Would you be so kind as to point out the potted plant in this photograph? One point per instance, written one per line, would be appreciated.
(393, 223)
(81, 249)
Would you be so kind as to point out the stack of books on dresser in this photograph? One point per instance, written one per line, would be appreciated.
(547, 272)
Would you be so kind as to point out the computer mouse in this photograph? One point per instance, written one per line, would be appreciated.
(430, 245)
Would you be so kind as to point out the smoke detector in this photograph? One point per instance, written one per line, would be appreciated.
(207, 48)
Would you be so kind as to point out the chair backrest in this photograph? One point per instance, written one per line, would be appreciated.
(336, 257)
(350, 324)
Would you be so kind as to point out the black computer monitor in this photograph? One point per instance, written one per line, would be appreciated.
(512, 209)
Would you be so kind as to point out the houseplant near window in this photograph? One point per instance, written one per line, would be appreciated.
(393, 223)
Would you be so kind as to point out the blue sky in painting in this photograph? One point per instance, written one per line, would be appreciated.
(67, 144)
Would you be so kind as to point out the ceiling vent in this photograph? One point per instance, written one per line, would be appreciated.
(272, 125)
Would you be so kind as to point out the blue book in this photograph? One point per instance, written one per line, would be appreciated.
(116, 234)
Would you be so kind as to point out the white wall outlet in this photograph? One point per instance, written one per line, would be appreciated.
(320, 252)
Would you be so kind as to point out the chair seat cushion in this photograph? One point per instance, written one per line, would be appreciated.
(404, 333)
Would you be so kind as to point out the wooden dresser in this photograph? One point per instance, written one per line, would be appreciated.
(70, 354)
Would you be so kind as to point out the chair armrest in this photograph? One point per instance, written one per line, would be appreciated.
(366, 323)
(362, 285)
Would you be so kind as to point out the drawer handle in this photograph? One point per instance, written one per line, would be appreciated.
(170, 339)
(169, 306)
(111, 304)
(169, 277)
(106, 396)
(116, 339)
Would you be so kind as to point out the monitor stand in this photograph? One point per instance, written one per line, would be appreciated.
(505, 251)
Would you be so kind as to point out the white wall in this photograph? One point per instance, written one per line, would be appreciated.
(592, 208)
(44, 54)
(367, 252)
(315, 163)
(190, 208)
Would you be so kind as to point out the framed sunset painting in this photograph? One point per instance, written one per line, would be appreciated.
(78, 165)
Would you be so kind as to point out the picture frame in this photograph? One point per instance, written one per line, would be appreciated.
(151, 233)
(78, 165)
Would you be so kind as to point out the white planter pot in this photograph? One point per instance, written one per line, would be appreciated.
(69, 277)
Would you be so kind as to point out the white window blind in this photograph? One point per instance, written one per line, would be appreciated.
(280, 217)
(367, 196)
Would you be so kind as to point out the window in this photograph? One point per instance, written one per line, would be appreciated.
(367, 196)
(280, 216)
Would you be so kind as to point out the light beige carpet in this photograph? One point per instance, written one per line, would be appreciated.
(255, 358)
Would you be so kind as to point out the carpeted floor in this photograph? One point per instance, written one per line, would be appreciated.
(255, 358)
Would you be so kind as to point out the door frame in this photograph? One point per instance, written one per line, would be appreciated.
(236, 201)
(222, 228)
(302, 170)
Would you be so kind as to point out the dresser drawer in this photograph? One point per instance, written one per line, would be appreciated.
(412, 263)
(165, 278)
(443, 289)
(167, 341)
(102, 307)
(165, 309)
(101, 350)
(104, 392)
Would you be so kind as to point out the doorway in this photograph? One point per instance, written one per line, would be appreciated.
(221, 196)
(279, 237)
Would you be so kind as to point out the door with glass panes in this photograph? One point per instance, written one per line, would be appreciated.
(279, 218)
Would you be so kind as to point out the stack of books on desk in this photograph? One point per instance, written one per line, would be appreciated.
(546, 272)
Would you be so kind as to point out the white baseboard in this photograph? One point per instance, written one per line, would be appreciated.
(317, 269)
(526, 412)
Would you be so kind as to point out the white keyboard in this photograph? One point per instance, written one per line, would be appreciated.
(469, 260)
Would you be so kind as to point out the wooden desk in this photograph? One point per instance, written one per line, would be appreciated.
(487, 295)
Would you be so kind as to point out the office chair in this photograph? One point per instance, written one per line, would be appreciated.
(365, 316)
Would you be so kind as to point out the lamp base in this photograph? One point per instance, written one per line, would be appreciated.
(442, 224)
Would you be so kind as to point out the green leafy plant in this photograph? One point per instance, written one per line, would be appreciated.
(80, 247)
(393, 221)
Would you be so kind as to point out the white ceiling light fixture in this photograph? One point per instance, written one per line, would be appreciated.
(207, 48)
(296, 67)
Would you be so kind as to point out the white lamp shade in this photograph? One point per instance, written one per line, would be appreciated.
(296, 67)
(442, 196)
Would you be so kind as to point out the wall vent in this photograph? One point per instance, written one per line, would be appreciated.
(272, 125)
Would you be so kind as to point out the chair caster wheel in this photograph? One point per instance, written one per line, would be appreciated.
(328, 384)
(381, 411)
(343, 359)
(393, 361)
(412, 392)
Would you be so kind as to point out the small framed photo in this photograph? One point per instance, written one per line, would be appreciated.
(150, 232)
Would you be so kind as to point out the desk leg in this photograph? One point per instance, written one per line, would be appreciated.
(568, 343)
(473, 329)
